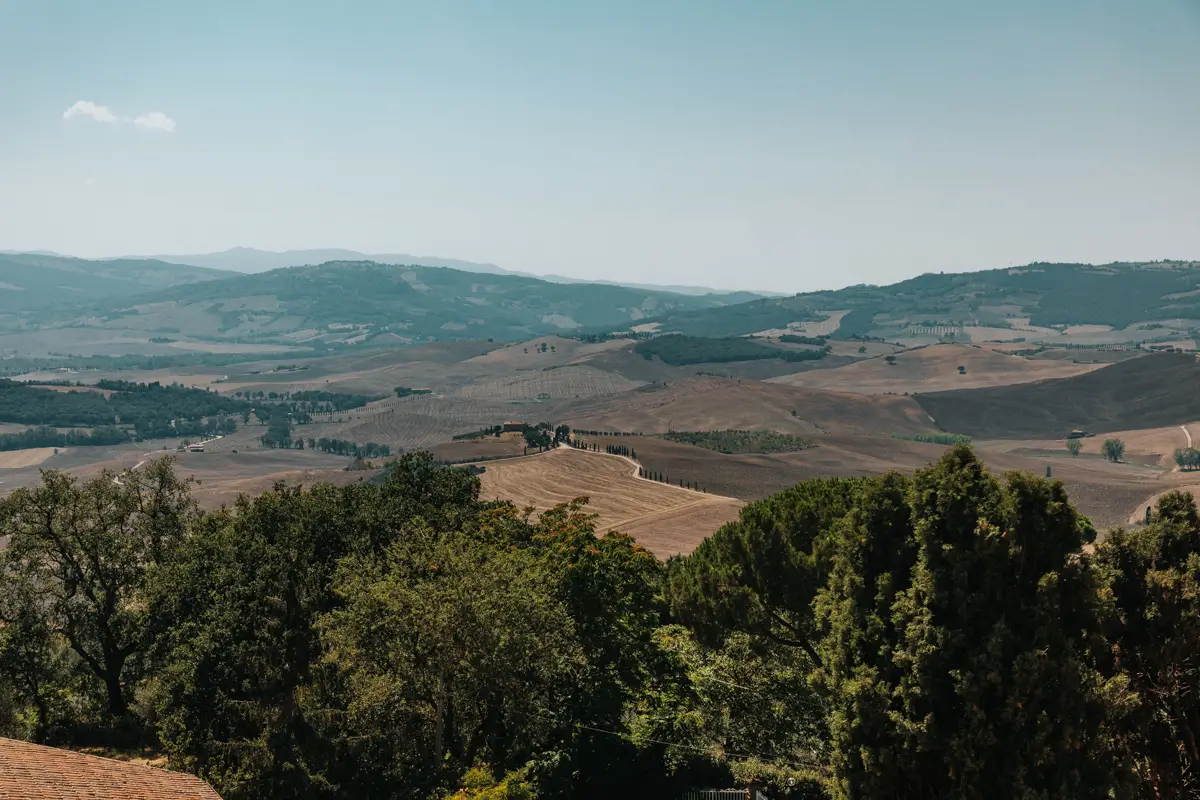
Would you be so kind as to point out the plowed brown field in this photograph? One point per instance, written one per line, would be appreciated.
(935, 369)
(664, 519)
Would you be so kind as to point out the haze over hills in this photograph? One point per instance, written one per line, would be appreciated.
(252, 260)
(1074, 303)
(359, 302)
(52, 301)
(31, 280)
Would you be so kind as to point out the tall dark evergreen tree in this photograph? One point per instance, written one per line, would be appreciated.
(1154, 576)
(960, 632)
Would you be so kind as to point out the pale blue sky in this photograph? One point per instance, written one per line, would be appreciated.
(785, 145)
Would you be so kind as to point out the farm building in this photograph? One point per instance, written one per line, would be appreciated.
(514, 425)
(32, 771)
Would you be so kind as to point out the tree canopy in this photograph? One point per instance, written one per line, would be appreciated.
(946, 634)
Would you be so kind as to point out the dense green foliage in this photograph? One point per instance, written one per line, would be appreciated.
(679, 350)
(958, 641)
(43, 280)
(325, 402)
(1187, 458)
(1113, 450)
(934, 438)
(815, 341)
(311, 401)
(342, 447)
(941, 635)
(1050, 294)
(22, 365)
(29, 405)
(737, 441)
(152, 410)
(52, 437)
(963, 644)
(389, 301)
(1154, 577)
(405, 391)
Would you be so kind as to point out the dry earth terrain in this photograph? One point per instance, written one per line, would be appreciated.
(665, 519)
(849, 405)
(935, 368)
(704, 404)
(1105, 492)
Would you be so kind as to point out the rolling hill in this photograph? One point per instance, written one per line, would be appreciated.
(1067, 303)
(708, 403)
(31, 280)
(251, 260)
(1149, 392)
(370, 303)
(935, 368)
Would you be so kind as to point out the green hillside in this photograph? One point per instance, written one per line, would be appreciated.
(1035, 296)
(30, 281)
(370, 303)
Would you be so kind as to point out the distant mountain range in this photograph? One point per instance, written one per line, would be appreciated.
(250, 260)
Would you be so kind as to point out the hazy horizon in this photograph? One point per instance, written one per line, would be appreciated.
(771, 147)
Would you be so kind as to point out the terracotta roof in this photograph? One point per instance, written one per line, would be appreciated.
(33, 772)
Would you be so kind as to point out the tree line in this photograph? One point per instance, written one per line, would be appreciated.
(935, 438)
(51, 437)
(1187, 458)
(149, 411)
(607, 433)
(679, 350)
(311, 402)
(741, 441)
(343, 447)
(948, 634)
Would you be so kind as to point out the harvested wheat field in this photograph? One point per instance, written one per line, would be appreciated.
(529, 355)
(934, 369)
(1106, 493)
(20, 459)
(1149, 446)
(568, 382)
(664, 519)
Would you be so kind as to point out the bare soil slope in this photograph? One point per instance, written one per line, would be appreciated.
(753, 476)
(32, 457)
(664, 519)
(1106, 493)
(1153, 391)
(703, 404)
(935, 368)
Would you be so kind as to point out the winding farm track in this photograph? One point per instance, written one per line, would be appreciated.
(637, 468)
(663, 518)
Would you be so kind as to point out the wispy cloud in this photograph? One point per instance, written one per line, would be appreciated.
(86, 108)
(151, 120)
(156, 121)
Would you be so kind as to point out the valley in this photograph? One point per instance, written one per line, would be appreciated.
(861, 406)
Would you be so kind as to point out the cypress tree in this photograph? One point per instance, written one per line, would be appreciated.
(959, 625)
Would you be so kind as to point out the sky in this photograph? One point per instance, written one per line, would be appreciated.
(792, 145)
